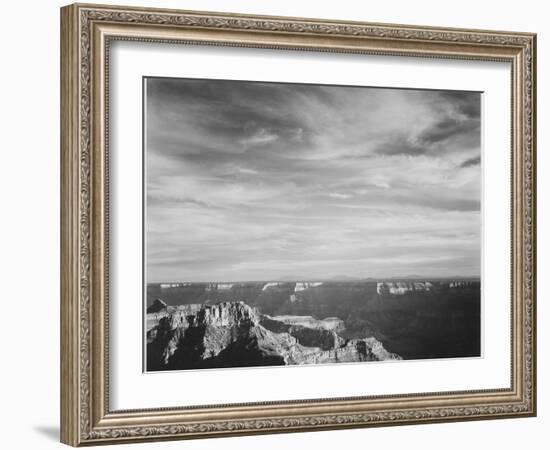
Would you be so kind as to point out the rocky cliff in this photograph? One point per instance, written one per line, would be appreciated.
(233, 334)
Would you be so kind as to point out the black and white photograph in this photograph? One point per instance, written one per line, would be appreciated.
(291, 224)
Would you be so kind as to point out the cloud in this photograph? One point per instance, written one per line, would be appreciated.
(260, 136)
(339, 195)
(249, 180)
(475, 161)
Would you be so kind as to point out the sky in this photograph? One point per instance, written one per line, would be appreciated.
(250, 181)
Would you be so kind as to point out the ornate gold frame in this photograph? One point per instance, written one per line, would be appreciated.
(86, 31)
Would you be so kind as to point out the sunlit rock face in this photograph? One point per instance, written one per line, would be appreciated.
(271, 285)
(459, 284)
(232, 334)
(219, 287)
(330, 323)
(401, 287)
(308, 331)
(302, 286)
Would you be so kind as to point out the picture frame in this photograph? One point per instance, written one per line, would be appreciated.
(87, 33)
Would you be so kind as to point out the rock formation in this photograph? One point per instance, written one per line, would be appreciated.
(270, 285)
(401, 287)
(302, 286)
(330, 323)
(157, 306)
(461, 284)
(219, 286)
(233, 334)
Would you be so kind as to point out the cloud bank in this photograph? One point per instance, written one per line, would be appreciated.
(264, 181)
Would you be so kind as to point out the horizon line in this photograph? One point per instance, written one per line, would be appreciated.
(321, 280)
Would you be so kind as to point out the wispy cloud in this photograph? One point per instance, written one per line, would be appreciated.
(339, 195)
(249, 180)
(476, 160)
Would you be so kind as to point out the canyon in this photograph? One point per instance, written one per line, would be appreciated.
(412, 318)
(234, 334)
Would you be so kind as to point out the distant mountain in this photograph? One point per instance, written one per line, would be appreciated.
(342, 278)
(345, 278)
(290, 278)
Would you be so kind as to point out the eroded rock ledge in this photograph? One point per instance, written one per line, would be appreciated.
(233, 334)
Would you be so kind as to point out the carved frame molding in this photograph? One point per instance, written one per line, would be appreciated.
(86, 31)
